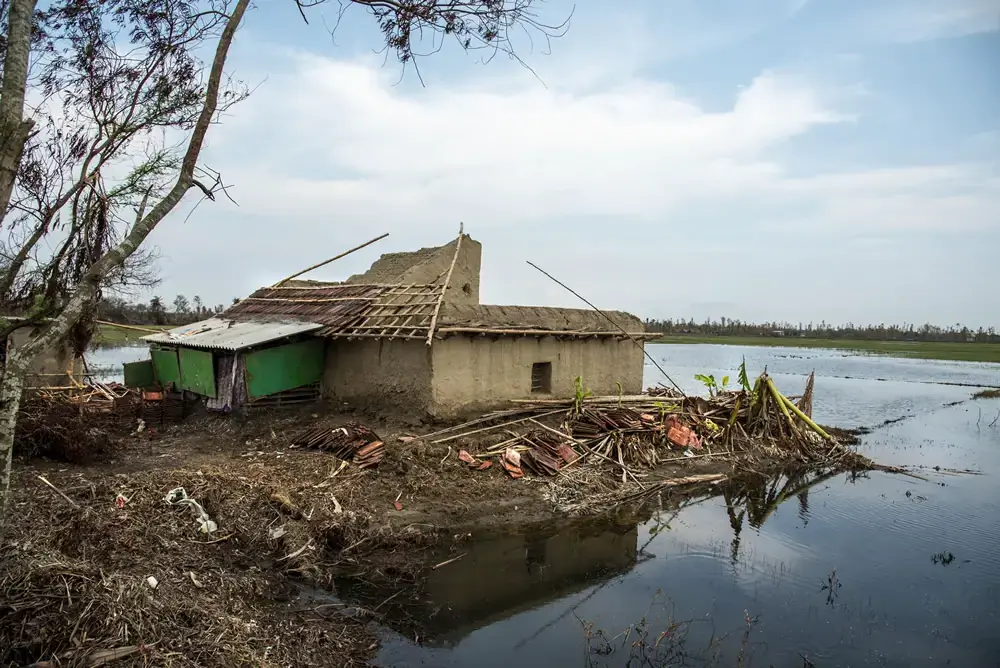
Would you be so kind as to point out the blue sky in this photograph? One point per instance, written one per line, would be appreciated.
(764, 160)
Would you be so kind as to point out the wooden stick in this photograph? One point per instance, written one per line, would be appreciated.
(340, 286)
(59, 492)
(447, 280)
(449, 561)
(325, 262)
(479, 420)
(133, 327)
(496, 426)
(297, 552)
(601, 400)
(304, 300)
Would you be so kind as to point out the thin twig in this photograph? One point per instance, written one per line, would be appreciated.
(59, 492)
(449, 561)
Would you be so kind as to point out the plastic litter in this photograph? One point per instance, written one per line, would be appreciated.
(179, 497)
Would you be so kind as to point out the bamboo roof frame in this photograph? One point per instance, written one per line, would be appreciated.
(390, 310)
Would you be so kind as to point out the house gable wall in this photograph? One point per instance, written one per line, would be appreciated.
(476, 373)
(429, 265)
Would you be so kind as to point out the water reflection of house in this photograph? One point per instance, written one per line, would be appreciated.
(500, 577)
(410, 331)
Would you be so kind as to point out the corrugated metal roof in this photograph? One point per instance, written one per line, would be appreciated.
(225, 334)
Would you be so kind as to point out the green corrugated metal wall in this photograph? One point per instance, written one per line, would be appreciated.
(140, 374)
(285, 367)
(165, 366)
(197, 369)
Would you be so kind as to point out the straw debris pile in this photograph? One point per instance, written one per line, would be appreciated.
(592, 441)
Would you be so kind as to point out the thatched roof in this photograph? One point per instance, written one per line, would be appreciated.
(534, 321)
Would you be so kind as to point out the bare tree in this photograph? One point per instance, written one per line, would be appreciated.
(113, 75)
(118, 96)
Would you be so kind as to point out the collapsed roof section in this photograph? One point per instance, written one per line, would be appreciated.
(423, 294)
(347, 310)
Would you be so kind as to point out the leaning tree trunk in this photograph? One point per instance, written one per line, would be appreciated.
(11, 388)
(84, 296)
(14, 129)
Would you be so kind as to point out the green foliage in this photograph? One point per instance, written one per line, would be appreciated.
(664, 409)
(744, 379)
(580, 394)
(713, 386)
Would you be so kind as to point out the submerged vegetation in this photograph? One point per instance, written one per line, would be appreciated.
(992, 393)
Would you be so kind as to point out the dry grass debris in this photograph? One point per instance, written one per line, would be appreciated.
(98, 566)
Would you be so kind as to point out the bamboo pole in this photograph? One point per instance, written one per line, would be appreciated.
(133, 327)
(608, 318)
(325, 262)
(492, 427)
(447, 280)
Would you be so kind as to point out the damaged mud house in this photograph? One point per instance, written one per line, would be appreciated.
(409, 334)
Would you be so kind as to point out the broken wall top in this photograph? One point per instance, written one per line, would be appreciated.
(429, 266)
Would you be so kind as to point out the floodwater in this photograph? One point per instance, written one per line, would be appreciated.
(105, 362)
(877, 570)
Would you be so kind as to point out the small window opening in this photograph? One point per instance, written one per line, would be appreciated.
(541, 378)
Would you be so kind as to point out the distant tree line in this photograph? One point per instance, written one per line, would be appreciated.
(181, 311)
(824, 330)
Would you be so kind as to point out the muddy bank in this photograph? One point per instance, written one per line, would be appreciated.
(98, 564)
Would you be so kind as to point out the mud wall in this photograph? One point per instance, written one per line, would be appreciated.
(475, 373)
(385, 375)
(429, 265)
(50, 367)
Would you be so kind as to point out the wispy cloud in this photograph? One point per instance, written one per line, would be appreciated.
(917, 20)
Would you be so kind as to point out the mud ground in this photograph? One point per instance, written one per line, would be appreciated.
(82, 544)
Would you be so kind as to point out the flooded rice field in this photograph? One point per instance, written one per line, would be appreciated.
(822, 570)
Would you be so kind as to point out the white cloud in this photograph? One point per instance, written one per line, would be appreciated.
(509, 153)
(338, 136)
(328, 153)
